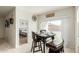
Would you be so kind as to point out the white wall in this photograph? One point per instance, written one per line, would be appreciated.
(69, 14)
(77, 29)
(1, 28)
(10, 32)
(22, 13)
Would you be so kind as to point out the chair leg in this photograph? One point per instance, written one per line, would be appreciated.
(36, 44)
(32, 47)
(63, 49)
(41, 46)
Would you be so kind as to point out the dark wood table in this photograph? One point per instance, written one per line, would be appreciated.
(44, 37)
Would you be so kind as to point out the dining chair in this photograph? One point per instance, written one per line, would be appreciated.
(36, 43)
(57, 45)
(55, 48)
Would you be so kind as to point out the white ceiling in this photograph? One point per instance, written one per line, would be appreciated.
(41, 9)
(5, 9)
(31, 9)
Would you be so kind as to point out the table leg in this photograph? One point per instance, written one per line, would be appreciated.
(44, 44)
(44, 47)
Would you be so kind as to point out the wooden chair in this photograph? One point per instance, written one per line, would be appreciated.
(55, 48)
(36, 43)
(57, 45)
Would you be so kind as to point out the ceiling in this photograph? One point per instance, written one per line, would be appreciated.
(4, 10)
(41, 9)
(30, 9)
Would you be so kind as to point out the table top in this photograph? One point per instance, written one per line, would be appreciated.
(46, 34)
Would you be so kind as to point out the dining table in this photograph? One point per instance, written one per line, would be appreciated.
(44, 37)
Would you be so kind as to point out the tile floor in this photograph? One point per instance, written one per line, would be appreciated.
(6, 48)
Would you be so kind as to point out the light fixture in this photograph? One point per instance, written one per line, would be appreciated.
(50, 15)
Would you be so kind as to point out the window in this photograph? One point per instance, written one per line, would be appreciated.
(54, 25)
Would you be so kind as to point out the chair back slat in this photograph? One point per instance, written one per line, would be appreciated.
(33, 36)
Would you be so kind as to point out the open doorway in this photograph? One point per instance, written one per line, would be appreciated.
(7, 28)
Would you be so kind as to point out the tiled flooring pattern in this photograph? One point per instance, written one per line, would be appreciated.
(6, 48)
